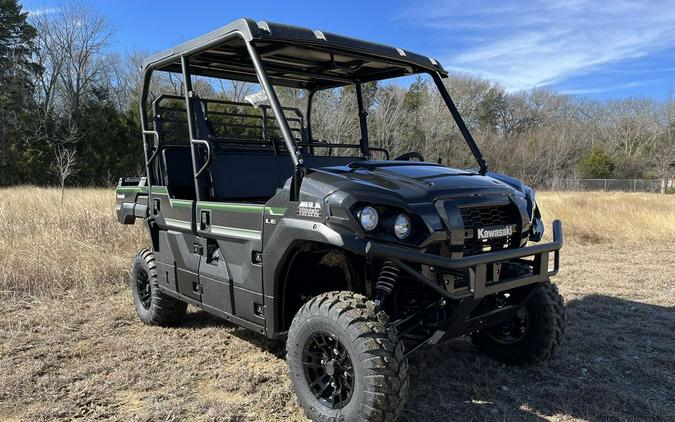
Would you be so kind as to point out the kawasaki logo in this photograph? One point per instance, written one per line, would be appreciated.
(495, 231)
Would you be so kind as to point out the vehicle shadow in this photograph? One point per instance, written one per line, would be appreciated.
(615, 363)
(197, 319)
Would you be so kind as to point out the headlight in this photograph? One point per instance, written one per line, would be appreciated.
(368, 218)
(402, 226)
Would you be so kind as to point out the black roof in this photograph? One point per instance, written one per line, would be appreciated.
(292, 56)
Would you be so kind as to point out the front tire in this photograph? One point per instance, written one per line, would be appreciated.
(152, 305)
(343, 363)
(534, 334)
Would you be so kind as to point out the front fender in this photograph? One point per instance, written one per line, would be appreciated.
(277, 251)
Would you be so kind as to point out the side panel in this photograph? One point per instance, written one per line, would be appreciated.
(217, 285)
(234, 237)
(166, 269)
(178, 246)
(170, 213)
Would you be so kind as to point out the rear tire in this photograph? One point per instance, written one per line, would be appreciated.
(343, 363)
(544, 314)
(152, 305)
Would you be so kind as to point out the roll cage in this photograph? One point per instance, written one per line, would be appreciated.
(274, 54)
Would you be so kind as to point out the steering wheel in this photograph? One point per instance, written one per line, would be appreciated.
(408, 155)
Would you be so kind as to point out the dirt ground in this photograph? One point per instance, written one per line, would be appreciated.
(86, 355)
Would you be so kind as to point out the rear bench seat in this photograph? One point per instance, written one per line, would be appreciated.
(237, 176)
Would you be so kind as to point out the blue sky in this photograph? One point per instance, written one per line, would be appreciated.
(599, 49)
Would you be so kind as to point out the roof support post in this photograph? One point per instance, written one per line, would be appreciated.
(363, 121)
(308, 124)
(293, 151)
(460, 123)
(144, 126)
(187, 84)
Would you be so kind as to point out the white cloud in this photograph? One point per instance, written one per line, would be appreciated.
(607, 88)
(42, 11)
(524, 44)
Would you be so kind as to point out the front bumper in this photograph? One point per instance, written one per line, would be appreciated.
(464, 316)
(477, 266)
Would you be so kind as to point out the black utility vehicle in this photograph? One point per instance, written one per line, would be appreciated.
(358, 262)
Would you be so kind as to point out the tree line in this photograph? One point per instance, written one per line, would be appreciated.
(68, 101)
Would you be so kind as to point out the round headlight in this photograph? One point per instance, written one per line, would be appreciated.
(402, 226)
(368, 218)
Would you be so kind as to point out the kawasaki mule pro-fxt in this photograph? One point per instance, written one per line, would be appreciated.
(358, 262)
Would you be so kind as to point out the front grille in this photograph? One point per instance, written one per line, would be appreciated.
(477, 217)
(481, 217)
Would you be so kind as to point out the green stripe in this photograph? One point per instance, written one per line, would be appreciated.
(130, 189)
(160, 190)
(235, 232)
(180, 203)
(232, 207)
(178, 223)
(275, 210)
(175, 203)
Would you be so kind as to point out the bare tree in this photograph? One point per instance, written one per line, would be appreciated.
(65, 158)
(64, 165)
(51, 59)
(125, 78)
(81, 35)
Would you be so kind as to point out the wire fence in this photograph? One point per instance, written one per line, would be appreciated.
(619, 185)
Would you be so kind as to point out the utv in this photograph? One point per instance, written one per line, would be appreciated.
(357, 262)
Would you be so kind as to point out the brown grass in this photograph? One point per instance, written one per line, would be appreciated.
(70, 349)
(47, 248)
(609, 217)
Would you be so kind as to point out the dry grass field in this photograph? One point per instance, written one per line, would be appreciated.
(71, 347)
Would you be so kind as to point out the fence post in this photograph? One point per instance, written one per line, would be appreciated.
(605, 185)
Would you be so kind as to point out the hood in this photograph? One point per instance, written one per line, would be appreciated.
(410, 181)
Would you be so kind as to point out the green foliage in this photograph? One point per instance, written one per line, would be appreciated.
(110, 144)
(16, 105)
(416, 94)
(597, 164)
(16, 47)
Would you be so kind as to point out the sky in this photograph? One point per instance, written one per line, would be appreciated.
(599, 49)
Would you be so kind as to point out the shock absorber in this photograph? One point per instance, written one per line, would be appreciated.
(386, 282)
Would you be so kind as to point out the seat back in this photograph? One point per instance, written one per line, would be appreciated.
(178, 176)
(248, 176)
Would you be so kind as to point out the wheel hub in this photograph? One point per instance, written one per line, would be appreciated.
(328, 370)
(512, 331)
(329, 367)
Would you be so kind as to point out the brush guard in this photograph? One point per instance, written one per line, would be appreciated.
(461, 318)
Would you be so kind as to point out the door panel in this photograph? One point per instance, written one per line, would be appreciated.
(171, 213)
(186, 254)
(234, 230)
(216, 284)
(175, 218)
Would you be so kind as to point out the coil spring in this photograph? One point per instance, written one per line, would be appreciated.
(386, 281)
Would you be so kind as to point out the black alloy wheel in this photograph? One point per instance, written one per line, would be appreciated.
(143, 289)
(329, 370)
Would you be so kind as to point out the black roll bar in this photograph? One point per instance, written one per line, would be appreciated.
(363, 121)
(460, 123)
(276, 107)
(260, 71)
